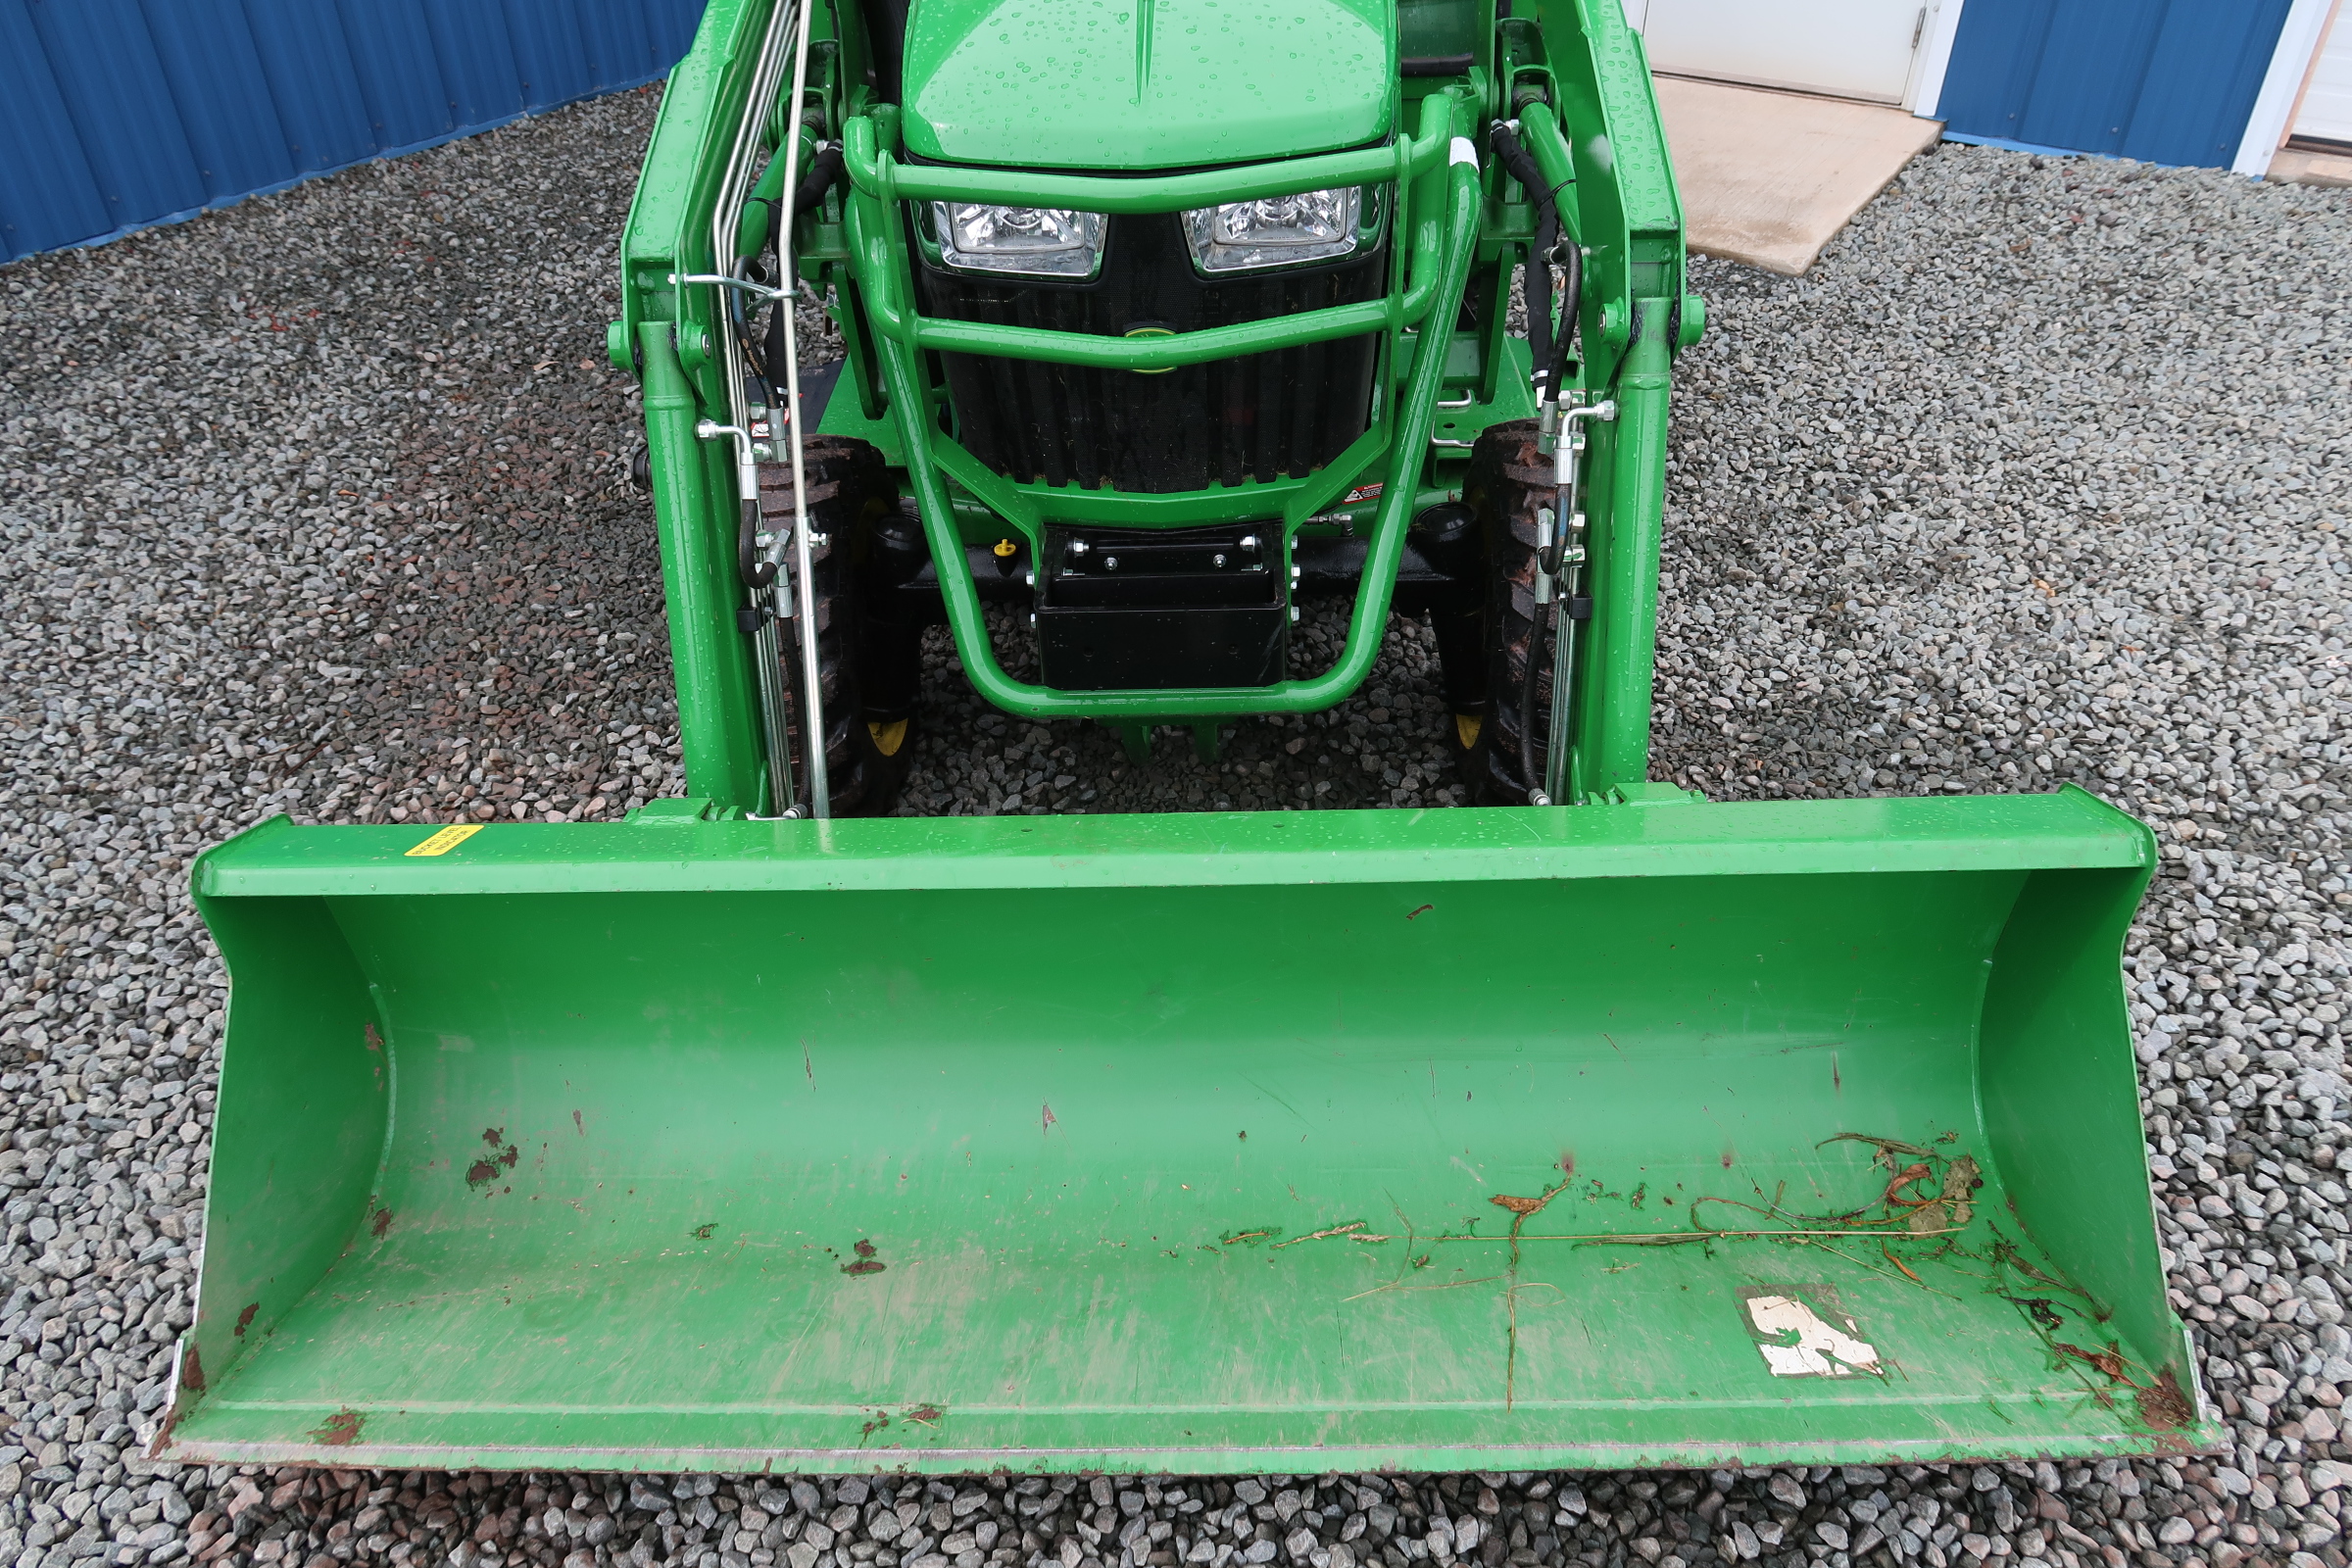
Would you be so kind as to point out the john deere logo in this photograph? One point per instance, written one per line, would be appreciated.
(1153, 331)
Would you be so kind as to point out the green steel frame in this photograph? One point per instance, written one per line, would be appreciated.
(1574, 58)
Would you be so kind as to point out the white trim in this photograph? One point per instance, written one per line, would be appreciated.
(1935, 58)
(2281, 85)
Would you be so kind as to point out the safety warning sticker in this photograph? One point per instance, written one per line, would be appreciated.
(448, 839)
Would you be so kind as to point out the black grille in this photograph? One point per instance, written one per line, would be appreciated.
(1261, 416)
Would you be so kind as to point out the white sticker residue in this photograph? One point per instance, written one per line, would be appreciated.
(1821, 1348)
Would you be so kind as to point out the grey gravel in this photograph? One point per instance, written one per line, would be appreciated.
(316, 504)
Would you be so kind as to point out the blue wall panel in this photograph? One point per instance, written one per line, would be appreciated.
(114, 113)
(2170, 81)
(118, 103)
(477, 62)
(48, 187)
(307, 62)
(219, 94)
(400, 79)
(2205, 73)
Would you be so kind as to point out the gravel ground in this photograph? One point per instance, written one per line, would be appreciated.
(316, 504)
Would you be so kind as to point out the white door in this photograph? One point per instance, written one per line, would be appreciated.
(1846, 48)
(2325, 113)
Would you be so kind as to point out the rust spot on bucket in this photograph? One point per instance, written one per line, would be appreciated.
(1049, 1119)
(245, 1318)
(381, 1223)
(482, 1172)
(1418, 913)
(578, 1123)
(340, 1430)
(702, 1233)
(1728, 1154)
(375, 1042)
(866, 1262)
(191, 1369)
(2163, 1405)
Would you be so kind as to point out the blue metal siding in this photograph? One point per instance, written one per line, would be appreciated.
(2170, 81)
(48, 185)
(116, 114)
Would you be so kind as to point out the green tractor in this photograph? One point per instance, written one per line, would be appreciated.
(1590, 1124)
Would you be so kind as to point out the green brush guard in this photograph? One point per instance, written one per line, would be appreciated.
(1185, 1143)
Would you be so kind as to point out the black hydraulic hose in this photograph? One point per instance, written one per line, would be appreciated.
(775, 352)
(1572, 294)
(1548, 344)
(754, 572)
(1548, 356)
(1537, 271)
(823, 169)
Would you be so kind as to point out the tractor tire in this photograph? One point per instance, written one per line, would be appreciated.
(849, 490)
(1509, 478)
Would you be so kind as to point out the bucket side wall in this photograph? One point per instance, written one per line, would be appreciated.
(2061, 1104)
(300, 1130)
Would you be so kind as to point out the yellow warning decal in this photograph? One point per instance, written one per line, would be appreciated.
(448, 839)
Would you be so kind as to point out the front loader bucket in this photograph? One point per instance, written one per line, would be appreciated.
(1206, 1142)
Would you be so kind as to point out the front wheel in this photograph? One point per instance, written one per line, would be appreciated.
(1509, 479)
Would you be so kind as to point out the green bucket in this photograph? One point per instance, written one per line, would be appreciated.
(1655, 1133)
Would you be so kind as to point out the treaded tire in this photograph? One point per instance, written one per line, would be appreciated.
(1509, 478)
(848, 489)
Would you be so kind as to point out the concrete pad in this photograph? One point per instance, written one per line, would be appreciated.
(2294, 167)
(1770, 178)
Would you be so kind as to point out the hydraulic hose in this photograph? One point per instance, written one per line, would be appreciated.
(823, 169)
(1549, 355)
(1547, 347)
(1572, 291)
(1537, 269)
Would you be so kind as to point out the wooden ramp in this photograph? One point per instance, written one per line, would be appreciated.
(1770, 178)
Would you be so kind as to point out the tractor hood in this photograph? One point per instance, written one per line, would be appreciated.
(1145, 84)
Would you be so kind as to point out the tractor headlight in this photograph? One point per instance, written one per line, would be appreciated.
(1032, 241)
(1314, 225)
